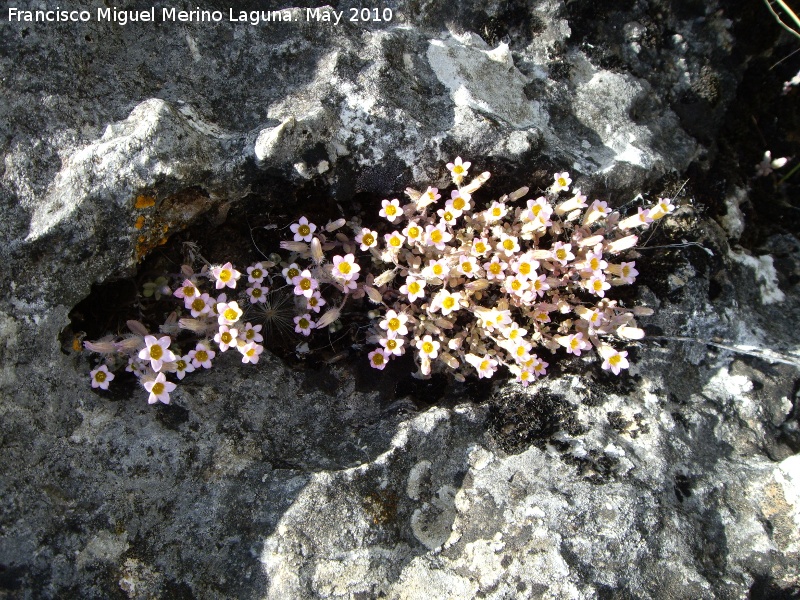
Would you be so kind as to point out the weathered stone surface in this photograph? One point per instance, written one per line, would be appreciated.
(679, 480)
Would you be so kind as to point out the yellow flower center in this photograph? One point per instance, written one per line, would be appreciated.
(448, 216)
(230, 314)
(524, 268)
(391, 210)
(614, 360)
(158, 388)
(100, 376)
(562, 182)
(598, 285)
(449, 302)
(180, 364)
(391, 344)
(257, 273)
(256, 292)
(395, 241)
(480, 247)
(561, 254)
(466, 266)
(198, 304)
(156, 352)
(188, 291)
(304, 230)
(437, 270)
(520, 351)
(368, 239)
(458, 169)
(226, 338)
(496, 212)
(250, 353)
(458, 203)
(594, 264)
(305, 284)
(427, 347)
(625, 270)
(536, 209)
(573, 343)
(413, 287)
(304, 324)
(413, 232)
(537, 285)
(394, 324)
(516, 284)
(313, 301)
(508, 244)
(225, 275)
(377, 359)
(201, 355)
(484, 365)
(250, 334)
(344, 268)
(494, 268)
(436, 235)
(292, 273)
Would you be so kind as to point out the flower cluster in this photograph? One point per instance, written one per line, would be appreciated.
(469, 288)
(492, 287)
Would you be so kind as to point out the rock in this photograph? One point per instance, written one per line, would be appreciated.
(679, 479)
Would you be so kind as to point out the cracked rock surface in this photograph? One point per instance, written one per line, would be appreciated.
(680, 479)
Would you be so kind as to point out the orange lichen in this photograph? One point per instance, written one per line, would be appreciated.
(139, 222)
(144, 202)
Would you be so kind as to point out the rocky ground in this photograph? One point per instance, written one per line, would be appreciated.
(313, 478)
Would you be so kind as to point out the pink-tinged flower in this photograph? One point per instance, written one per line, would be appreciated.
(468, 266)
(390, 210)
(345, 267)
(515, 285)
(525, 266)
(256, 273)
(446, 302)
(183, 365)
(480, 246)
(378, 359)
(594, 261)
(395, 323)
(562, 253)
(613, 360)
(413, 232)
(508, 245)
(459, 202)
(663, 208)
(394, 241)
(429, 196)
(225, 275)
(495, 269)
(305, 284)
(574, 343)
(598, 285)
(413, 288)
(303, 230)
(367, 238)
(201, 356)
(538, 209)
(226, 337)
(593, 315)
(539, 285)
(495, 212)
(393, 345)
(304, 324)
(290, 272)
(157, 351)
(642, 217)
(187, 291)
(252, 333)
(437, 236)
(257, 293)
(315, 302)
(574, 203)
(597, 210)
(428, 347)
(101, 377)
(436, 269)
(561, 183)
(159, 389)
(200, 305)
(447, 216)
(627, 272)
(538, 366)
(229, 313)
(485, 365)
(458, 169)
(251, 352)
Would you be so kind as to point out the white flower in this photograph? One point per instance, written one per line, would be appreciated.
(201, 356)
(446, 302)
(485, 365)
(225, 275)
(159, 389)
(378, 359)
(613, 360)
(574, 343)
(226, 337)
(345, 267)
(251, 352)
(229, 312)
(508, 245)
(305, 284)
(304, 324)
(394, 241)
(256, 273)
(252, 333)
(390, 210)
(495, 212)
(562, 253)
(393, 345)
(458, 203)
(561, 183)
(437, 236)
(257, 293)
(413, 288)
(598, 285)
(395, 323)
(495, 268)
(367, 238)
(303, 230)
(458, 169)
(101, 377)
(428, 347)
(157, 351)
(290, 272)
